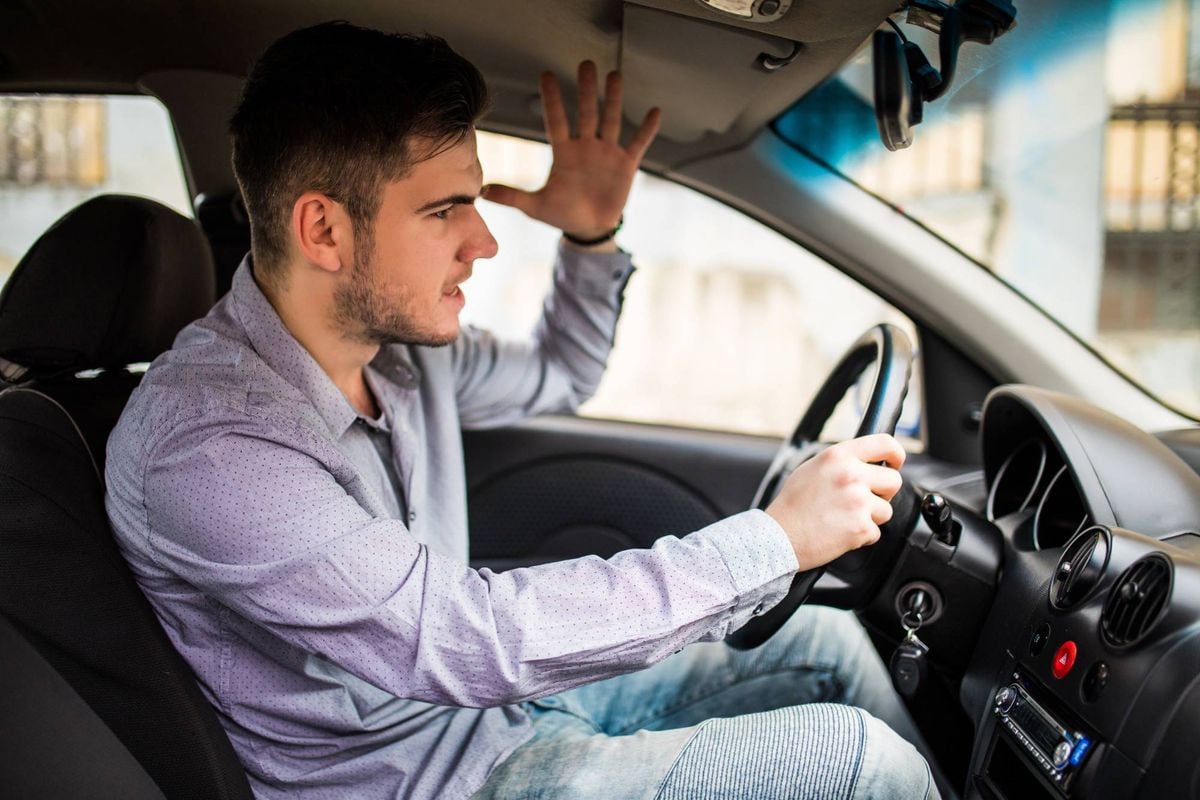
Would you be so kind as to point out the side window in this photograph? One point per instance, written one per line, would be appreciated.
(58, 151)
(727, 325)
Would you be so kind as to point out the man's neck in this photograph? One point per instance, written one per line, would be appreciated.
(303, 310)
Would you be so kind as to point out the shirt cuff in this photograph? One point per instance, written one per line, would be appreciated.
(760, 560)
(596, 274)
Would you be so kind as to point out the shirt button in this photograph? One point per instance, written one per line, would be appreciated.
(618, 274)
(758, 609)
(412, 516)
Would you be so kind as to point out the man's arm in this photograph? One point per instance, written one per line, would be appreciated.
(499, 382)
(280, 542)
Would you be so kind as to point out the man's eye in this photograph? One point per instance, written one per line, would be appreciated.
(444, 213)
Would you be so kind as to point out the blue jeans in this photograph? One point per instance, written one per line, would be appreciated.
(810, 714)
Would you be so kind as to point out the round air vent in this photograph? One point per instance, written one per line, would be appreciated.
(1137, 601)
(1080, 568)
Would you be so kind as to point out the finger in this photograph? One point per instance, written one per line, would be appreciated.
(881, 511)
(508, 196)
(587, 101)
(553, 114)
(882, 481)
(610, 124)
(645, 135)
(877, 447)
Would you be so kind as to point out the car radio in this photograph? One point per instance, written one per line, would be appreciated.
(1057, 749)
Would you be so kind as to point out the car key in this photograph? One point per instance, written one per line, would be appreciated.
(908, 664)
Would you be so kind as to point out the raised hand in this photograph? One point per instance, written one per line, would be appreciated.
(592, 173)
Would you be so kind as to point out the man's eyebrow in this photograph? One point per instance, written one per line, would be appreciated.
(452, 200)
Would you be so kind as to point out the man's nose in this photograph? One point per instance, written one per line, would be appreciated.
(481, 243)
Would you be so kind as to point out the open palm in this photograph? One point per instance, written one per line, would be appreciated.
(591, 174)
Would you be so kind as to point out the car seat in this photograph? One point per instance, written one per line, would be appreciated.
(109, 285)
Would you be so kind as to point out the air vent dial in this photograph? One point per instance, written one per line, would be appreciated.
(1080, 568)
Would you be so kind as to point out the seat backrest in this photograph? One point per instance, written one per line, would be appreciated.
(51, 743)
(66, 588)
(110, 284)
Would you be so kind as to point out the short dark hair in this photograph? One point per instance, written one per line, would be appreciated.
(334, 108)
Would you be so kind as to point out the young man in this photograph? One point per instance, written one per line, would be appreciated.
(287, 484)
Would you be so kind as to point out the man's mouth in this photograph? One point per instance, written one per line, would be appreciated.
(454, 290)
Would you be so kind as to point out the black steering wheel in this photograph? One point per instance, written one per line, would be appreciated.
(859, 571)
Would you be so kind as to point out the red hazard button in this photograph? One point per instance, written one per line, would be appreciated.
(1064, 659)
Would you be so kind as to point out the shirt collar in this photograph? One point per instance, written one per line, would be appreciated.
(281, 352)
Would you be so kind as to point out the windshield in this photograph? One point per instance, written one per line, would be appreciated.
(1066, 159)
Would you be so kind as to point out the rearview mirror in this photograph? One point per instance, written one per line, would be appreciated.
(897, 103)
(904, 78)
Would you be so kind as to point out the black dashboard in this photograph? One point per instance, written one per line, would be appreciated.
(1076, 574)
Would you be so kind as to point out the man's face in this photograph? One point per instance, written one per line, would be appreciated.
(427, 235)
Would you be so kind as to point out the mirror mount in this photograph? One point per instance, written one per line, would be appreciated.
(904, 78)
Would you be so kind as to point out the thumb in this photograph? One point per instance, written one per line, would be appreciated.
(509, 196)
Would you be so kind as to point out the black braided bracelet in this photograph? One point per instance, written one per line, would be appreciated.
(589, 242)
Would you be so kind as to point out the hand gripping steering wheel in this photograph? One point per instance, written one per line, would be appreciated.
(860, 571)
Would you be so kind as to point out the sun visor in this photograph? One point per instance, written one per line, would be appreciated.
(668, 60)
(802, 21)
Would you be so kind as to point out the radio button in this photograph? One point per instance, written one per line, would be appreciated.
(1094, 681)
(1037, 643)
(1064, 659)
(1005, 699)
(1062, 754)
(1082, 745)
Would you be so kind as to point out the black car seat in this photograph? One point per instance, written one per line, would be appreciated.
(110, 284)
(107, 286)
(51, 743)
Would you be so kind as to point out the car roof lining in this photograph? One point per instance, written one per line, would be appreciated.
(698, 66)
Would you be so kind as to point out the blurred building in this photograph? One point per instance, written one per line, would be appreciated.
(1066, 158)
(56, 152)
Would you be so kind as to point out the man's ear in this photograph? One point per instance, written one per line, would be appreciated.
(321, 230)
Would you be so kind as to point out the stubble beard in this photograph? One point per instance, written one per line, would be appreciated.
(364, 313)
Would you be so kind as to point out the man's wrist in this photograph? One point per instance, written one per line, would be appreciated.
(606, 246)
(593, 238)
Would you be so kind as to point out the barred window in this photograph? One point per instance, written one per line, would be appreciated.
(58, 141)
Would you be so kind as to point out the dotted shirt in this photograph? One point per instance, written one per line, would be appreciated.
(316, 577)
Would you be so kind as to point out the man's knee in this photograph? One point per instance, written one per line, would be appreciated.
(891, 766)
(815, 751)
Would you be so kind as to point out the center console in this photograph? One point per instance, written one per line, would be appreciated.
(1092, 689)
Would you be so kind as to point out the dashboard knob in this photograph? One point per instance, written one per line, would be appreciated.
(939, 516)
(1005, 699)
(1061, 754)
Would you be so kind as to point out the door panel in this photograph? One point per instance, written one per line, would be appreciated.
(561, 487)
(553, 488)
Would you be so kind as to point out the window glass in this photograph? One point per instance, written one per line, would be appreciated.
(1065, 157)
(58, 151)
(727, 325)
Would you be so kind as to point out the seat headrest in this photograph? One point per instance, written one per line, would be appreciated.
(110, 284)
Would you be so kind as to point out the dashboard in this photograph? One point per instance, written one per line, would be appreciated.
(1085, 677)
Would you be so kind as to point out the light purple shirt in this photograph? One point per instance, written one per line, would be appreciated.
(330, 615)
